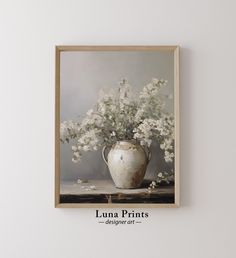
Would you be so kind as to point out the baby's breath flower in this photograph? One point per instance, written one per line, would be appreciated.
(75, 160)
(74, 148)
(119, 115)
(89, 112)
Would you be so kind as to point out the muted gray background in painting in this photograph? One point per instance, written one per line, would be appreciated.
(83, 74)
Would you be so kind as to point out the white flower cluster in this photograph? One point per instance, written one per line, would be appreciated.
(161, 129)
(68, 130)
(87, 142)
(162, 178)
(118, 115)
(150, 101)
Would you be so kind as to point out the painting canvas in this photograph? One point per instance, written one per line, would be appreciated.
(117, 126)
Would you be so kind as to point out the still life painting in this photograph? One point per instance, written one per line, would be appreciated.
(117, 126)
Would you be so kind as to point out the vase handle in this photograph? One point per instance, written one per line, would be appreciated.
(148, 153)
(104, 155)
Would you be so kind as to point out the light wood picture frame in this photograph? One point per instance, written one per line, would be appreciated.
(81, 71)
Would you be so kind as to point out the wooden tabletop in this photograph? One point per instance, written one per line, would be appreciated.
(104, 191)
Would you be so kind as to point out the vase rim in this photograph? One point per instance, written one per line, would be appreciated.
(126, 141)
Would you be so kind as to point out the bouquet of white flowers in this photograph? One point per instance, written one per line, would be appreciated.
(118, 116)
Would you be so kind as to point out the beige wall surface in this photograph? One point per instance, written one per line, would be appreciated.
(204, 226)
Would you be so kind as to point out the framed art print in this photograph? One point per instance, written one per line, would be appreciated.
(117, 126)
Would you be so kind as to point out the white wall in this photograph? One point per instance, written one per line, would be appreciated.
(205, 224)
